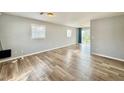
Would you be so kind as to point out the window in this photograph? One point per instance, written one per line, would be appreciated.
(38, 31)
(69, 32)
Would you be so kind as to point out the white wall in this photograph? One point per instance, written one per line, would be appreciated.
(108, 36)
(15, 33)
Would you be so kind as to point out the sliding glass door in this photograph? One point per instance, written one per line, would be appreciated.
(85, 36)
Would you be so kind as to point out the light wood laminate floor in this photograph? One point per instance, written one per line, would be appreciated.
(64, 64)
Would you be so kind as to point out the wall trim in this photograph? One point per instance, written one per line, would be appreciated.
(118, 59)
(30, 54)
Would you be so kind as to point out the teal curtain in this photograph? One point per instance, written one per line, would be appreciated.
(79, 35)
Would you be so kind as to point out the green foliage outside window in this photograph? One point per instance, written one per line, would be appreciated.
(86, 37)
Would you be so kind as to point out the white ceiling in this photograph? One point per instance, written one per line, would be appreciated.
(74, 19)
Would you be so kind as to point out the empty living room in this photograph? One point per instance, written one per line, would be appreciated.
(61, 46)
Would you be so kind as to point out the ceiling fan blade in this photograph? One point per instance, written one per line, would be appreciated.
(41, 13)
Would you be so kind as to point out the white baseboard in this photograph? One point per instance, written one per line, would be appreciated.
(13, 58)
(118, 59)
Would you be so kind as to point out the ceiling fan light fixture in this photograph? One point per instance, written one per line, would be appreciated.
(50, 14)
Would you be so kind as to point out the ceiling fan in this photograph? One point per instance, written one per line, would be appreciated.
(47, 13)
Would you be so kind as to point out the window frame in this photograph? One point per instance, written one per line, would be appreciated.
(69, 33)
(38, 31)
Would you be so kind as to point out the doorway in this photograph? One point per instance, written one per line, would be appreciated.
(85, 36)
(85, 40)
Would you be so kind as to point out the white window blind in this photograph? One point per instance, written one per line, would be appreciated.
(69, 33)
(38, 31)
